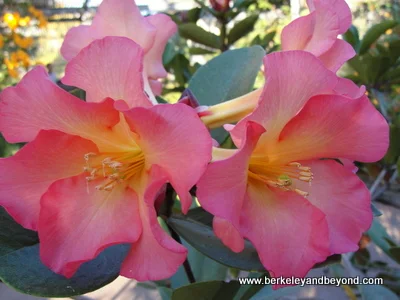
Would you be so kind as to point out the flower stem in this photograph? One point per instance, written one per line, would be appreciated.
(186, 264)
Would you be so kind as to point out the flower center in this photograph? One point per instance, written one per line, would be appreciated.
(279, 176)
(114, 168)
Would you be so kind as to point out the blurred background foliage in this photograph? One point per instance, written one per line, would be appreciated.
(31, 33)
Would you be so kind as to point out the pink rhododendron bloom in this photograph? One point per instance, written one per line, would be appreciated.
(90, 173)
(317, 32)
(123, 18)
(281, 188)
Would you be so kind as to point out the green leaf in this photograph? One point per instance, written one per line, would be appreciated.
(13, 236)
(225, 77)
(374, 33)
(194, 14)
(200, 51)
(376, 212)
(169, 53)
(81, 94)
(352, 37)
(21, 268)
(267, 39)
(393, 153)
(374, 292)
(242, 28)
(381, 238)
(165, 293)
(211, 290)
(197, 34)
(196, 229)
(395, 253)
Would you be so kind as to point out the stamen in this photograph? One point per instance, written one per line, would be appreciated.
(301, 193)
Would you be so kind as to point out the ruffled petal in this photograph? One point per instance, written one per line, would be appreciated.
(77, 222)
(346, 87)
(76, 39)
(26, 176)
(174, 138)
(153, 59)
(37, 103)
(331, 126)
(340, 7)
(222, 187)
(291, 79)
(155, 255)
(315, 33)
(113, 18)
(337, 55)
(344, 199)
(289, 233)
(110, 67)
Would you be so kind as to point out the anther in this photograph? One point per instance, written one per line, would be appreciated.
(295, 164)
(304, 178)
(301, 193)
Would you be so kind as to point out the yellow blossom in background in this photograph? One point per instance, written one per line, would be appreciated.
(12, 20)
(24, 21)
(42, 22)
(23, 42)
(1, 41)
(11, 68)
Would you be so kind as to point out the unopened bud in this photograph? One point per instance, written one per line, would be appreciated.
(220, 5)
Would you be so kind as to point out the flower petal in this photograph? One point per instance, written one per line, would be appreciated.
(26, 176)
(155, 255)
(113, 18)
(76, 225)
(76, 38)
(337, 55)
(166, 136)
(332, 126)
(340, 7)
(348, 88)
(110, 67)
(290, 234)
(315, 33)
(153, 59)
(222, 187)
(344, 199)
(37, 103)
(291, 79)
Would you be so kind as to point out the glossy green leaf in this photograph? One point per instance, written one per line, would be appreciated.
(165, 293)
(374, 33)
(197, 34)
(395, 253)
(81, 94)
(268, 38)
(393, 153)
(374, 292)
(169, 53)
(225, 77)
(352, 37)
(242, 28)
(193, 14)
(376, 212)
(196, 229)
(21, 268)
(200, 51)
(211, 290)
(381, 238)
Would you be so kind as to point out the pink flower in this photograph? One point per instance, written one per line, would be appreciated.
(281, 189)
(90, 173)
(317, 32)
(123, 18)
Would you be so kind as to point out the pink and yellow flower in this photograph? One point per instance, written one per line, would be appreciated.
(282, 189)
(123, 18)
(91, 171)
(317, 32)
